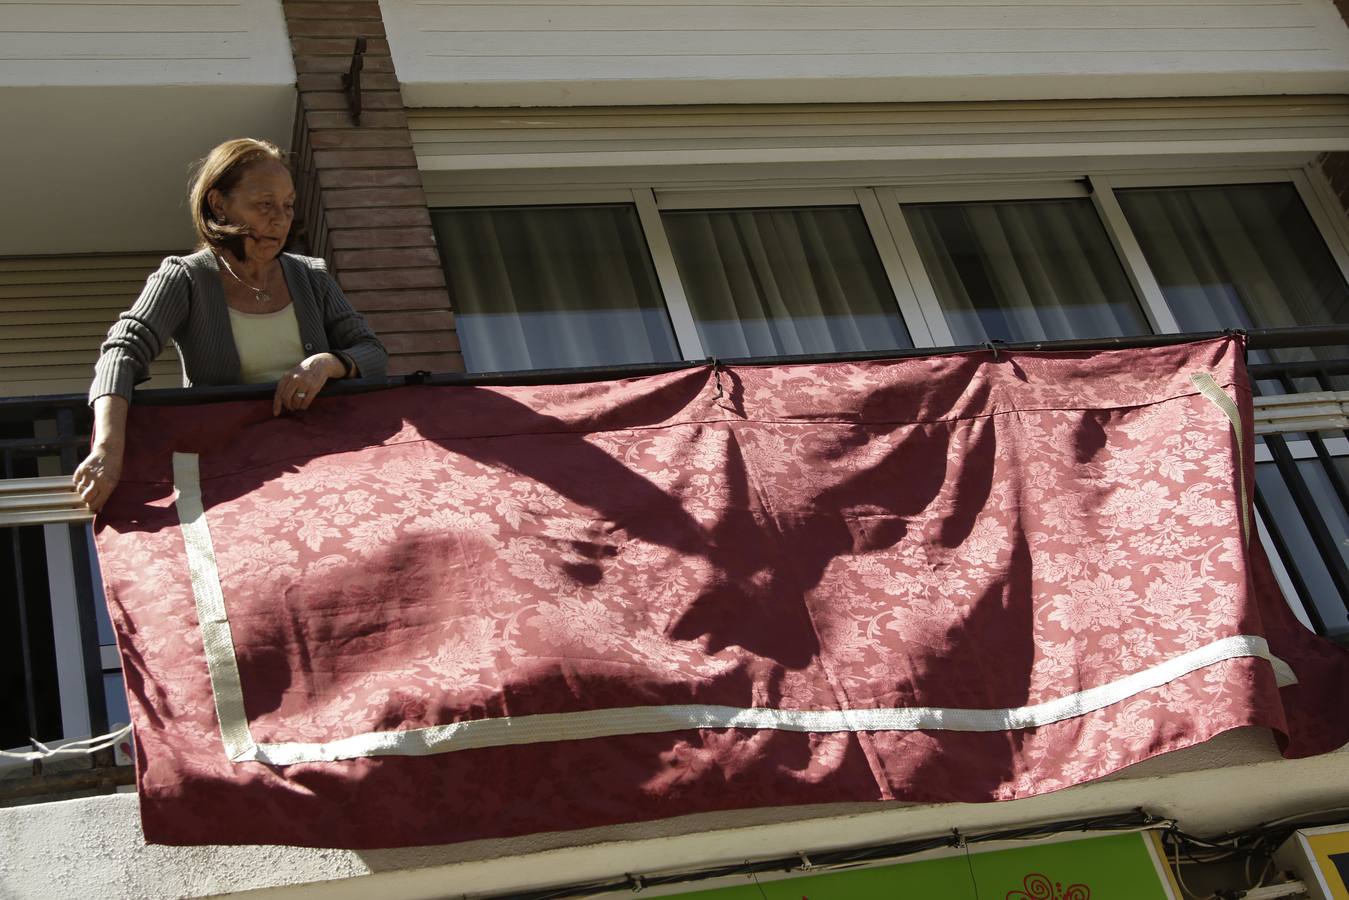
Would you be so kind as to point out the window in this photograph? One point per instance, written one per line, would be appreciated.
(1237, 256)
(1026, 270)
(769, 282)
(548, 287)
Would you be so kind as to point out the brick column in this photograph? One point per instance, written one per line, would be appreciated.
(361, 202)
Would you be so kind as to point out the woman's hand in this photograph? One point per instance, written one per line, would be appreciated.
(298, 387)
(99, 474)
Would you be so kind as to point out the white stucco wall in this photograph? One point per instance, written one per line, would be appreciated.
(93, 848)
(528, 53)
(105, 104)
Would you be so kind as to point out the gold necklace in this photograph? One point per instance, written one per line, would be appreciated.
(259, 294)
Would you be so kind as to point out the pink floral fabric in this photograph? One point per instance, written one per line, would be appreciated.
(950, 531)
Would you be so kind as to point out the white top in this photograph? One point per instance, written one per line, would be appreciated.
(269, 343)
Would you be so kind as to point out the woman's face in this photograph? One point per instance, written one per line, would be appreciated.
(263, 200)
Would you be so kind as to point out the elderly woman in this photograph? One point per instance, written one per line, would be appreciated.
(239, 309)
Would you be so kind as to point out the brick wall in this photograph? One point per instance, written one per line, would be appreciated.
(361, 202)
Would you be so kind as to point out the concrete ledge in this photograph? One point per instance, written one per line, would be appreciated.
(93, 847)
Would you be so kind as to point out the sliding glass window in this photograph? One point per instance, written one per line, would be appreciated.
(1024, 270)
(770, 282)
(552, 287)
(1240, 256)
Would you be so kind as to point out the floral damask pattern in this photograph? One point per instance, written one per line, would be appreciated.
(946, 532)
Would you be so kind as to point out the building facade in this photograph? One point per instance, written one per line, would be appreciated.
(521, 185)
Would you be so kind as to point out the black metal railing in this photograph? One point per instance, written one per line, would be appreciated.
(1318, 509)
(41, 433)
(45, 436)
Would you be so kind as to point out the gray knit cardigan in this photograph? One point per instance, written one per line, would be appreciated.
(184, 301)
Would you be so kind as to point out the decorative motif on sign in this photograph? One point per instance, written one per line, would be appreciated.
(1038, 887)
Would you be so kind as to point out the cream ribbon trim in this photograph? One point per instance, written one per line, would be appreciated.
(1223, 400)
(216, 639)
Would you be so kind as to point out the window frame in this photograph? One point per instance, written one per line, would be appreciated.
(881, 205)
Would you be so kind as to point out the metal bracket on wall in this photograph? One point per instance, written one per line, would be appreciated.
(351, 80)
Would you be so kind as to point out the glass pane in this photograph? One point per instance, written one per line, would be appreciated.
(1239, 256)
(1323, 595)
(769, 282)
(551, 287)
(1024, 271)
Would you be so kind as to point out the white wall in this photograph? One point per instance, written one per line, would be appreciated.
(103, 106)
(104, 169)
(528, 53)
(128, 42)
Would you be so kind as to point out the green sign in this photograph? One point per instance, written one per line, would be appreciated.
(1117, 867)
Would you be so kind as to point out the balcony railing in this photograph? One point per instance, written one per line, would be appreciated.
(68, 667)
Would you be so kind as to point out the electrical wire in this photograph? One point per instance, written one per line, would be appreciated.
(1184, 888)
(1253, 845)
(82, 747)
(833, 860)
(969, 864)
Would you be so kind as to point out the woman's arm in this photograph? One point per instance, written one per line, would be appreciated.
(98, 475)
(298, 387)
(138, 336)
(134, 341)
(354, 351)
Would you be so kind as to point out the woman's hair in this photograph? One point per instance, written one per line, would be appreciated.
(221, 169)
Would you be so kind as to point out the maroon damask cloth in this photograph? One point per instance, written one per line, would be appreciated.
(435, 614)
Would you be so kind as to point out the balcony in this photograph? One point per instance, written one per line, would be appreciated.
(70, 683)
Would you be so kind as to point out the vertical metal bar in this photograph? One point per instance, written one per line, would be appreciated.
(906, 296)
(84, 590)
(21, 597)
(1136, 266)
(1323, 456)
(667, 274)
(1304, 596)
(1306, 507)
(925, 295)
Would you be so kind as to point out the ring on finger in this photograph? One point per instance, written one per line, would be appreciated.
(301, 394)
